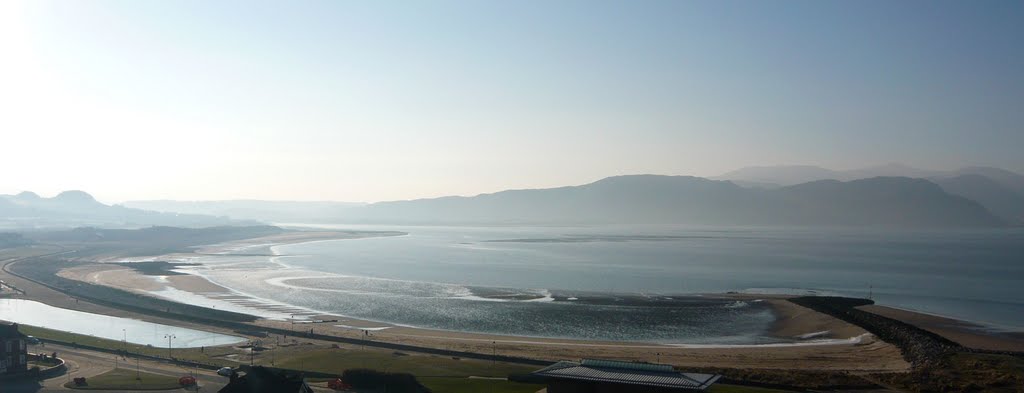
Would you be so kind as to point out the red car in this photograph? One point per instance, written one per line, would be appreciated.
(187, 380)
(338, 384)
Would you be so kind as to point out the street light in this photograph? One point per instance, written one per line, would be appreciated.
(124, 341)
(252, 350)
(169, 337)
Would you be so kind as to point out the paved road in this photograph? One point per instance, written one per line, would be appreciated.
(84, 363)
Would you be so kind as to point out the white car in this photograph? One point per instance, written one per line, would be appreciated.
(225, 371)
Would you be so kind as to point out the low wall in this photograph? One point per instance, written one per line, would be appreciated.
(52, 371)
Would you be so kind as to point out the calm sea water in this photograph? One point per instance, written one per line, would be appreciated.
(628, 283)
(112, 328)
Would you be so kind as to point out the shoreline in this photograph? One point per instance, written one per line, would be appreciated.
(778, 330)
(793, 324)
(869, 355)
(796, 325)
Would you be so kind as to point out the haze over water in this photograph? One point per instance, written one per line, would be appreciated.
(583, 282)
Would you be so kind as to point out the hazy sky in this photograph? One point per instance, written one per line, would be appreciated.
(374, 100)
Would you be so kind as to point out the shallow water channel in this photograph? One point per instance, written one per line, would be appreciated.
(34, 313)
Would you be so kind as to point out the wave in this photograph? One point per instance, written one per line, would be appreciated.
(861, 339)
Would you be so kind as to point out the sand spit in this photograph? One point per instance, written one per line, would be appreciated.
(964, 333)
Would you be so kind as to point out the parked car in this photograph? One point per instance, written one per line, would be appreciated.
(225, 371)
(187, 380)
(32, 340)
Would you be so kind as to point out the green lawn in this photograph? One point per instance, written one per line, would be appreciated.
(49, 362)
(441, 374)
(124, 379)
(337, 360)
(467, 385)
(723, 388)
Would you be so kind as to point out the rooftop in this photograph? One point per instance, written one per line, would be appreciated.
(633, 373)
(9, 330)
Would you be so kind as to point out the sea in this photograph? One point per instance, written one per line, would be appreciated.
(631, 283)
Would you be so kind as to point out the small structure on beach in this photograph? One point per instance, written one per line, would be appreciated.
(599, 376)
(13, 350)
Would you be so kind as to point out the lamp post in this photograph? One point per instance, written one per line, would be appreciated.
(124, 341)
(169, 337)
(252, 350)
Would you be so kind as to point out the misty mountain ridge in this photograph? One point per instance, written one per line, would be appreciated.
(247, 209)
(27, 210)
(994, 196)
(656, 199)
(998, 190)
(788, 175)
(962, 199)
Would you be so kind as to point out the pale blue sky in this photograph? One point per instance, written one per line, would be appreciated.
(368, 101)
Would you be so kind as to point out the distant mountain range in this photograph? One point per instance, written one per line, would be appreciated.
(889, 196)
(268, 211)
(69, 209)
(998, 190)
(652, 199)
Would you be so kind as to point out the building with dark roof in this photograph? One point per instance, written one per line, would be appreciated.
(13, 350)
(266, 380)
(600, 376)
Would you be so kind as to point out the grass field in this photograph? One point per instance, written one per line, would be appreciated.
(441, 374)
(49, 362)
(124, 379)
(723, 388)
(337, 360)
(467, 385)
(444, 373)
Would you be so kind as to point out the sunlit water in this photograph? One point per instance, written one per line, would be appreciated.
(112, 328)
(627, 283)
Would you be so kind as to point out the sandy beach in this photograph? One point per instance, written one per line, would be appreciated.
(828, 343)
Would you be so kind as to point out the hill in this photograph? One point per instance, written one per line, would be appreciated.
(68, 209)
(998, 190)
(650, 199)
(267, 211)
(997, 198)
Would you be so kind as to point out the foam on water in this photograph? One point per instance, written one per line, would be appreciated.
(844, 341)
